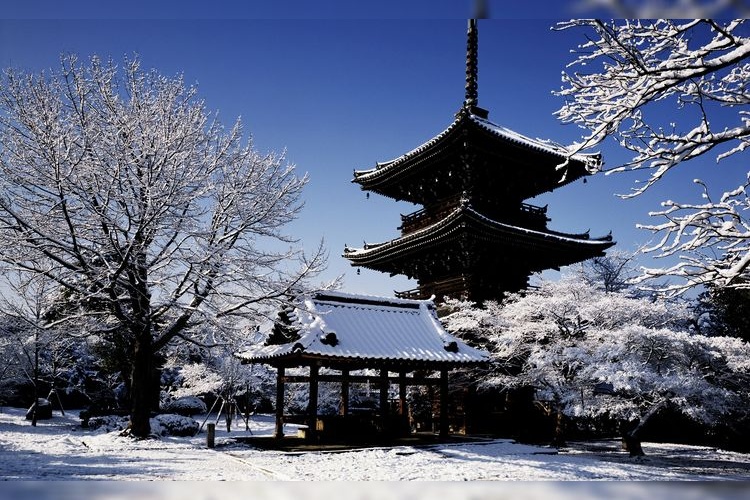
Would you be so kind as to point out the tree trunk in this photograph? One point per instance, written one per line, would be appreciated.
(142, 380)
(632, 444)
(632, 431)
(141, 386)
(558, 440)
(35, 408)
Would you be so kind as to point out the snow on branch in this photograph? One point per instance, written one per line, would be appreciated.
(670, 91)
(637, 64)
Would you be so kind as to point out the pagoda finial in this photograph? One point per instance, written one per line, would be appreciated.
(472, 50)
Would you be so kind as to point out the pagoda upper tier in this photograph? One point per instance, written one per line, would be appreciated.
(479, 159)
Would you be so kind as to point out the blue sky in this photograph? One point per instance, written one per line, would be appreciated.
(341, 94)
(283, 9)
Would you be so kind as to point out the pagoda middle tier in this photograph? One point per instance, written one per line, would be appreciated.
(465, 254)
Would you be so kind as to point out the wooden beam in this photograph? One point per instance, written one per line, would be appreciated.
(362, 379)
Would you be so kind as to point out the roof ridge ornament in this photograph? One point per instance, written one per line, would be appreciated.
(472, 65)
(471, 97)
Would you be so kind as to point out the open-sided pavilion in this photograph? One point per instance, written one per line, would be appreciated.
(401, 340)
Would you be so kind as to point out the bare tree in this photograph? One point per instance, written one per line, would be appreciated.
(118, 185)
(611, 273)
(631, 72)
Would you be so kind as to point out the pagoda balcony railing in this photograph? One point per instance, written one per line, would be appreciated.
(453, 287)
(428, 215)
(534, 210)
(413, 294)
(433, 213)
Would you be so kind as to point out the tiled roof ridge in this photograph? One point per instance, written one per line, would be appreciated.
(366, 300)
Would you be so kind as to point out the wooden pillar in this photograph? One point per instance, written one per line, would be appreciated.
(279, 430)
(444, 402)
(344, 410)
(312, 408)
(211, 436)
(384, 398)
(402, 393)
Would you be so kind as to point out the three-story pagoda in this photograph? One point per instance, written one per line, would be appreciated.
(475, 237)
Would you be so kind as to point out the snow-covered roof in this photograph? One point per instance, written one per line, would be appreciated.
(344, 326)
(465, 210)
(590, 161)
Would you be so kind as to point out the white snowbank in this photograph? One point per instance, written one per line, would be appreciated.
(59, 449)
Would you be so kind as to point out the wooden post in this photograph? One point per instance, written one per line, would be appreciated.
(344, 393)
(384, 398)
(221, 409)
(52, 392)
(402, 393)
(247, 408)
(210, 437)
(279, 430)
(312, 419)
(229, 415)
(444, 402)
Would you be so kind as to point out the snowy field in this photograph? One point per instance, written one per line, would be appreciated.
(59, 449)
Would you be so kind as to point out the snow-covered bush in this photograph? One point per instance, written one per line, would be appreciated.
(197, 378)
(107, 423)
(593, 354)
(186, 406)
(218, 373)
(169, 424)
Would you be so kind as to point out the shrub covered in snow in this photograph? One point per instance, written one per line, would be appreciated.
(186, 406)
(169, 424)
(108, 423)
(596, 355)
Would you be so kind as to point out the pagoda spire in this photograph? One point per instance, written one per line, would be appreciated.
(472, 67)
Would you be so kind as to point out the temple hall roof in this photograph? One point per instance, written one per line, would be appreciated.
(335, 326)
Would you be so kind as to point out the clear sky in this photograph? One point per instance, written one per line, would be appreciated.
(342, 93)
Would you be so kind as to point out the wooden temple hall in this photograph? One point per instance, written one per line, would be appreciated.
(475, 237)
(345, 339)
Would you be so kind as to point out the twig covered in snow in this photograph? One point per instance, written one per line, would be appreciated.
(669, 92)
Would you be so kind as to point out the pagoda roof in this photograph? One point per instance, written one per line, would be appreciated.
(564, 248)
(551, 164)
(358, 329)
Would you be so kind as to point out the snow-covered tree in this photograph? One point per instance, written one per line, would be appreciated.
(118, 185)
(670, 92)
(724, 312)
(35, 350)
(598, 354)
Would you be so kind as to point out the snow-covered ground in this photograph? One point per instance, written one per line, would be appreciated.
(59, 449)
